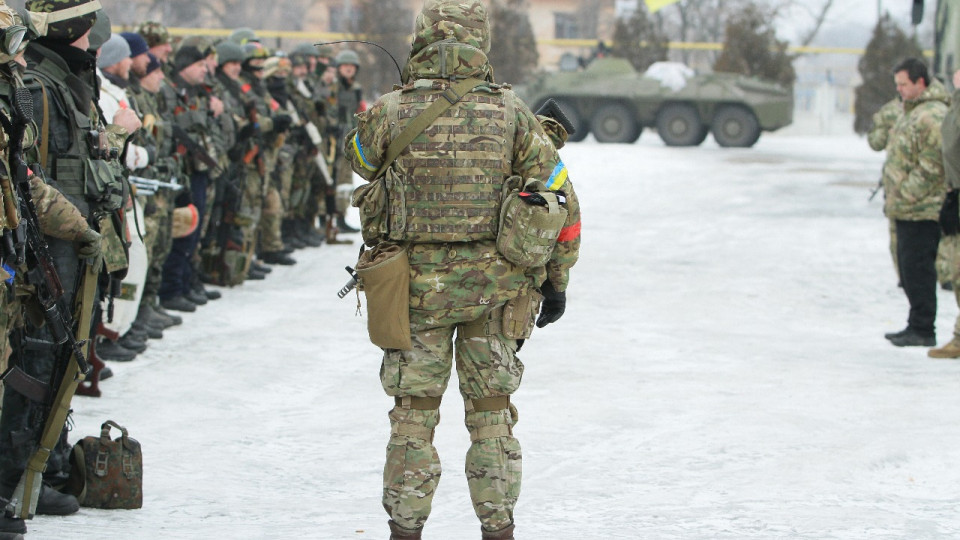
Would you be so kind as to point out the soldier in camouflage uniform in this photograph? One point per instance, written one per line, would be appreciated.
(349, 96)
(950, 211)
(878, 138)
(158, 39)
(68, 215)
(466, 301)
(310, 180)
(915, 194)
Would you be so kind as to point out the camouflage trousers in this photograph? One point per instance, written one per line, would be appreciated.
(270, 218)
(946, 255)
(158, 239)
(489, 372)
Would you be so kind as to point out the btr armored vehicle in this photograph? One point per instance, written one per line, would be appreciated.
(614, 102)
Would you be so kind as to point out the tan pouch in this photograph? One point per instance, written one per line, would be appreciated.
(520, 314)
(529, 230)
(384, 275)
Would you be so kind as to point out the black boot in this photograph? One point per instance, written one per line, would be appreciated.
(130, 342)
(303, 229)
(178, 303)
(289, 235)
(10, 527)
(505, 533)
(51, 502)
(399, 533)
(114, 352)
(173, 319)
(277, 257)
(913, 338)
(343, 227)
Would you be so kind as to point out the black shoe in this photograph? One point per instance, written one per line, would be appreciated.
(114, 352)
(147, 315)
(175, 320)
(10, 527)
(105, 373)
(51, 502)
(912, 338)
(178, 303)
(947, 286)
(148, 330)
(891, 335)
(195, 297)
(129, 342)
(262, 268)
(137, 333)
(212, 294)
(277, 257)
(11, 535)
(343, 227)
(255, 275)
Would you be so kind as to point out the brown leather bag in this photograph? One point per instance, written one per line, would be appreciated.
(107, 474)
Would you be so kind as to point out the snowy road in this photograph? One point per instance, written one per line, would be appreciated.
(720, 373)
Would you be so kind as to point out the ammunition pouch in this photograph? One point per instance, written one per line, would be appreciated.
(371, 199)
(531, 218)
(384, 276)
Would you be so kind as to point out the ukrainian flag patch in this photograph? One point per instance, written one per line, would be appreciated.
(558, 177)
(358, 150)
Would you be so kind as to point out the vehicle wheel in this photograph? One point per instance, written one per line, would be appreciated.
(735, 127)
(581, 130)
(679, 125)
(703, 136)
(614, 123)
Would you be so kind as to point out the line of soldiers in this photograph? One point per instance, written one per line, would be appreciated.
(135, 170)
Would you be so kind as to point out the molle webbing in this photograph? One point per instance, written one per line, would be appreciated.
(412, 430)
(489, 324)
(454, 171)
(488, 404)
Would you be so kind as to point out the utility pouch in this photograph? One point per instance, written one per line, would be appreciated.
(531, 218)
(520, 314)
(384, 276)
(107, 474)
(102, 186)
(371, 199)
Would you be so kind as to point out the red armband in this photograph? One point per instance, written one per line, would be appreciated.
(569, 233)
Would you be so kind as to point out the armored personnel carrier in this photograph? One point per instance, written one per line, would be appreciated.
(614, 102)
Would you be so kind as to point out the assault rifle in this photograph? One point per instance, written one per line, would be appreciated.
(30, 247)
(194, 148)
(149, 186)
(876, 190)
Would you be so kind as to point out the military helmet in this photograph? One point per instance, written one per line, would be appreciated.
(305, 49)
(63, 19)
(100, 32)
(228, 51)
(243, 36)
(254, 50)
(464, 20)
(325, 50)
(297, 59)
(348, 56)
(155, 33)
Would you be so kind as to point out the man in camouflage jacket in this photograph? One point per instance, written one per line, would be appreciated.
(461, 287)
(878, 137)
(915, 192)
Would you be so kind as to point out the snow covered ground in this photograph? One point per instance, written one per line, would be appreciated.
(720, 373)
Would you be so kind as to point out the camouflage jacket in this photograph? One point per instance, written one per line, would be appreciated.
(883, 122)
(455, 280)
(913, 173)
(951, 143)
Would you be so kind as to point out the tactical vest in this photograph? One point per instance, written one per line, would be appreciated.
(82, 171)
(452, 174)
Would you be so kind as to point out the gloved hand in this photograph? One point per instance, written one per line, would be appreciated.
(554, 303)
(281, 122)
(950, 214)
(89, 244)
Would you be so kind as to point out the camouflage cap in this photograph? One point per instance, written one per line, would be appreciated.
(254, 50)
(191, 50)
(276, 66)
(463, 20)
(155, 33)
(63, 19)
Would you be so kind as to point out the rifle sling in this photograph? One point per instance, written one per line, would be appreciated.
(28, 490)
(451, 95)
(45, 128)
(29, 387)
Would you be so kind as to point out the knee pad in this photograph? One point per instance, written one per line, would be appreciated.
(481, 423)
(414, 416)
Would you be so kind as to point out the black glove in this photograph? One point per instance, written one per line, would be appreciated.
(88, 244)
(554, 303)
(281, 122)
(950, 214)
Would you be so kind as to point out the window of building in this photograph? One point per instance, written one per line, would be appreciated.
(565, 26)
(344, 20)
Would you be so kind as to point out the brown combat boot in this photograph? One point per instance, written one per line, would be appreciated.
(332, 233)
(950, 350)
(503, 534)
(399, 533)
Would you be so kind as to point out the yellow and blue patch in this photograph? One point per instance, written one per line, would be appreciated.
(358, 150)
(558, 177)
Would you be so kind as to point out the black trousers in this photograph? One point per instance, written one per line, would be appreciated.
(917, 243)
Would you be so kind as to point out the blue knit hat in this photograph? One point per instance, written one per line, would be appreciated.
(137, 44)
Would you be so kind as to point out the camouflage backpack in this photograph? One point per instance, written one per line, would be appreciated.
(107, 474)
